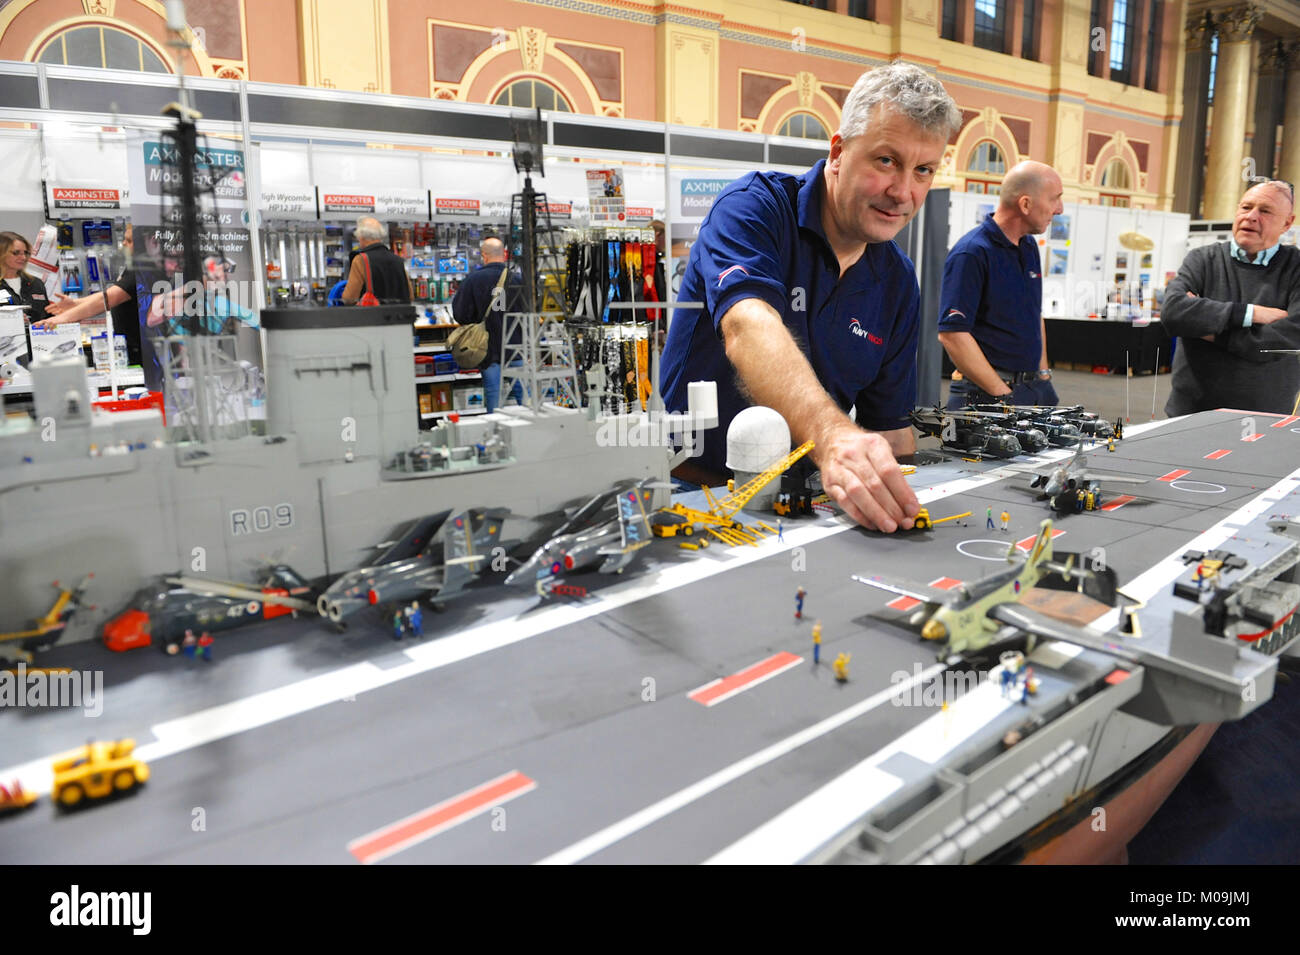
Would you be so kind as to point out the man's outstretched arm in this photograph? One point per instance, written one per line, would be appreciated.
(858, 467)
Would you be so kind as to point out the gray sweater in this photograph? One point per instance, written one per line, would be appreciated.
(1230, 371)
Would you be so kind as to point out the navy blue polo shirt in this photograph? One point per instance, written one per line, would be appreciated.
(859, 333)
(994, 290)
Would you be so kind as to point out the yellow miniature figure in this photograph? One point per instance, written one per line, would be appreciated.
(1110, 444)
(817, 643)
(841, 666)
(1090, 502)
(1006, 519)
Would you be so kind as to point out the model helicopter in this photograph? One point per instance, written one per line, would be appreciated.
(968, 617)
(967, 433)
(1029, 436)
(612, 527)
(163, 611)
(45, 630)
(437, 556)
(1062, 483)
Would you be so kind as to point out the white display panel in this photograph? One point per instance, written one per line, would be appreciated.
(20, 155)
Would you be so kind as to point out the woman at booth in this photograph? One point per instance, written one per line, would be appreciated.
(16, 286)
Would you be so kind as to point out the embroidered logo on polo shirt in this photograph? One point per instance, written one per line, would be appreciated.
(861, 332)
(734, 268)
(1034, 275)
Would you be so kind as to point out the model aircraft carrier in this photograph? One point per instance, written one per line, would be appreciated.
(343, 469)
(677, 716)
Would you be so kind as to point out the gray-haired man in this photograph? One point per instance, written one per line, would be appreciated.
(810, 307)
(1231, 303)
(388, 278)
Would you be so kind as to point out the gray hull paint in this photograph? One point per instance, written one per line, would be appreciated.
(306, 497)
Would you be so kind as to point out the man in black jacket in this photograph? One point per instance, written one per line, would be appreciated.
(1232, 303)
(388, 278)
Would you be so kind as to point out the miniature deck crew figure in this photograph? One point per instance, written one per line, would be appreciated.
(1008, 679)
(205, 646)
(1078, 501)
(798, 603)
(780, 531)
(1090, 501)
(988, 517)
(817, 643)
(1006, 519)
(399, 624)
(841, 666)
(416, 616)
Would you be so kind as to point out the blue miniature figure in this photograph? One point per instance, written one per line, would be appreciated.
(817, 643)
(798, 603)
(1008, 679)
(399, 624)
(416, 618)
(988, 517)
(780, 531)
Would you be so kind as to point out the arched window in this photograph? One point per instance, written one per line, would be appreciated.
(533, 93)
(1115, 175)
(804, 126)
(103, 47)
(987, 158)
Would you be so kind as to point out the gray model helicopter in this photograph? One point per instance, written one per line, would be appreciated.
(1062, 483)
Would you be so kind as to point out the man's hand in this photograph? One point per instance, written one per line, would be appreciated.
(1263, 315)
(860, 474)
(60, 304)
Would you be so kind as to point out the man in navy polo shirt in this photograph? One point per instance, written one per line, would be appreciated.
(809, 306)
(991, 307)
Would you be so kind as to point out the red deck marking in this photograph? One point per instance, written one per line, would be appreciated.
(907, 603)
(1174, 475)
(1117, 676)
(727, 687)
(1288, 420)
(1119, 502)
(1215, 455)
(1253, 437)
(1028, 542)
(429, 822)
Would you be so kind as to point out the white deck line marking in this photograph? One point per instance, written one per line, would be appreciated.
(683, 797)
(812, 822)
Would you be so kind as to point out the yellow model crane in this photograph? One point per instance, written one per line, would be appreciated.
(718, 520)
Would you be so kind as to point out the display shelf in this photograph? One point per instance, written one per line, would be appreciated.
(456, 376)
(428, 415)
(425, 349)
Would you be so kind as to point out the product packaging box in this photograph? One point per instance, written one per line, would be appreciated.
(13, 347)
(57, 342)
(468, 398)
(426, 403)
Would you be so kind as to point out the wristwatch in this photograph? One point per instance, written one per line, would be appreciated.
(1044, 374)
